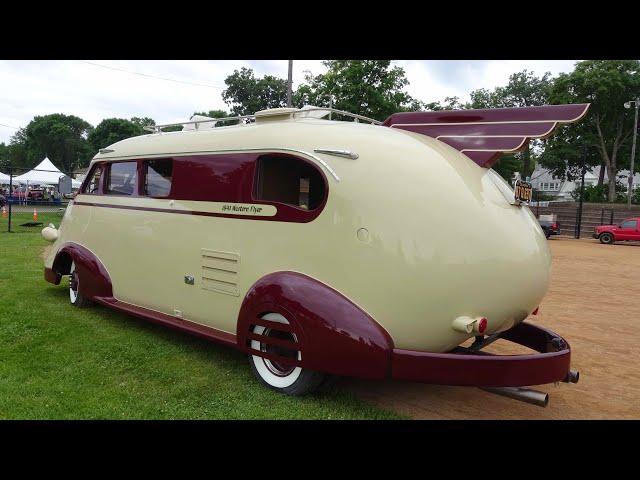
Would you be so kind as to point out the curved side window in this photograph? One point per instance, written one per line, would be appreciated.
(289, 180)
(92, 187)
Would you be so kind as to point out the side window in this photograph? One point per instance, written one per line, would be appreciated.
(122, 178)
(157, 177)
(289, 180)
(93, 186)
(629, 224)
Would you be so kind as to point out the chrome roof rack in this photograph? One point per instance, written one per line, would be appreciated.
(252, 118)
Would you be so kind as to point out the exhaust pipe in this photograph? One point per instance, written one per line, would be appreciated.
(527, 395)
(572, 377)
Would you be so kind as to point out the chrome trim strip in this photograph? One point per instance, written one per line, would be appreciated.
(234, 150)
(337, 153)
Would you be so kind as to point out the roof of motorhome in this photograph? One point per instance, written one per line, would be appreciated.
(277, 133)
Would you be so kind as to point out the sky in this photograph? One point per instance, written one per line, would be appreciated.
(127, 88)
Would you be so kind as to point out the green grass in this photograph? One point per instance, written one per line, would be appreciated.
(60, 362)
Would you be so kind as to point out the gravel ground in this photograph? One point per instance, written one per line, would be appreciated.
(593, 302)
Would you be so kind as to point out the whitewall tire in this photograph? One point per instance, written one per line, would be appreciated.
(76, 298)
(281, 377)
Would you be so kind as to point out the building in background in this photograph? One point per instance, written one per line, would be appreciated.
(544, 181)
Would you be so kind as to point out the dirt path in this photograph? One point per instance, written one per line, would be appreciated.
(594, 302)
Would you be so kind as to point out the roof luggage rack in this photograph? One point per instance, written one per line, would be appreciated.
(252, 118)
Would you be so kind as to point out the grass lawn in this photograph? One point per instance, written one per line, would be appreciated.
(60, 362)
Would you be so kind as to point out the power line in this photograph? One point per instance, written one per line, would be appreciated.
(3, 125)
(154, 76)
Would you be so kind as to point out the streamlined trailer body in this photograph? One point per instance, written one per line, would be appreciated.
(319, 248)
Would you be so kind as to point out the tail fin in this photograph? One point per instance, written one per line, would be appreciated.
(485, 134)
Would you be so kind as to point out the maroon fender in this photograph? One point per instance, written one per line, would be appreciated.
(334, 335)
(94, 278)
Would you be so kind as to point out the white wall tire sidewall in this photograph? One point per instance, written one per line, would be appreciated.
(73, 296)
(265, 373)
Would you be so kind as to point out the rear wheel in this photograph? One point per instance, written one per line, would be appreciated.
(606, 238)
(76, 298)
(281, 376)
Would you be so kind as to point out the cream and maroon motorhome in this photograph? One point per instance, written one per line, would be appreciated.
(326, 248)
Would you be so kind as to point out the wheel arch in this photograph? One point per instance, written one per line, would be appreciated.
(94, 278)
(335, 335)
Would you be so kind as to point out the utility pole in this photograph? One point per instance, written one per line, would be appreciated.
(633, 149)
(583, 172)
(289, 84)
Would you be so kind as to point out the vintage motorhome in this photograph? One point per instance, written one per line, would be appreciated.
(323, 247)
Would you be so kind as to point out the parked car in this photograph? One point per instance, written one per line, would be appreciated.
(627, 230)
(322, 248)
(549, 224)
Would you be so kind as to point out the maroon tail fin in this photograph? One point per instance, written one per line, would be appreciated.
(484, 135)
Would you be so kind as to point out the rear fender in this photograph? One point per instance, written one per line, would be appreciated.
(334, 335)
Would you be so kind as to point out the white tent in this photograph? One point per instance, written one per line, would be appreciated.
(46, 173)
(4, 179)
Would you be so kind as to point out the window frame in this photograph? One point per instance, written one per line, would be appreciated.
(634, 227)
(89, 177)
(313, 213)
(107, 178)
(142, 175)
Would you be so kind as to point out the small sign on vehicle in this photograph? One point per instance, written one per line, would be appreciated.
(523, 192)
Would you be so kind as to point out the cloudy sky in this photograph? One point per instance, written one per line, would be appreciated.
(129, 88)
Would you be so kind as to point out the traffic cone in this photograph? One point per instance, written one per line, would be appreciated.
(35, 215)
(4, 212)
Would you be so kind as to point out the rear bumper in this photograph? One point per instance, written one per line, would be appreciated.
(595, 235)
(464, 367)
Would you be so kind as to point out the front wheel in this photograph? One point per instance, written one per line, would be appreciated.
(280, 376)
(76, 298)
(606, 238)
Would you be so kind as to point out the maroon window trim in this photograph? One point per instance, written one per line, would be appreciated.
(235, 182)
(291, 212)
(88, 178)
(107, 176)
(143, 168)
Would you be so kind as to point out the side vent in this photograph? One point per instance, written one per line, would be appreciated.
(220, 271)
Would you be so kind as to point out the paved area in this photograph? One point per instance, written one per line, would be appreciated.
(594, 302)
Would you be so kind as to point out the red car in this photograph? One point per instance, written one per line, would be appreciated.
(629, 229)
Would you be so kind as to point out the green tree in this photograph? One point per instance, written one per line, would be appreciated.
(524, 89)
(450, 103)
(607, 129)
(246, 94)
(63, 138)
(4, 157)
(218, 114)
(373, 88)
(143, 121)
(112, 130)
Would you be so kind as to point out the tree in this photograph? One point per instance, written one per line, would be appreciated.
(246, 94)
(373, 88)
(4, 157)
(63, 138)
(607, 129)
(112, 130)
(524, 89)
(144, 121)
(218, 114)
(450, 103)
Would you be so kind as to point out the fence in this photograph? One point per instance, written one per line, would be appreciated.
(593, 214)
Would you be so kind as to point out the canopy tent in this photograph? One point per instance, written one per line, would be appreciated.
(45, 173)
(4, 179)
